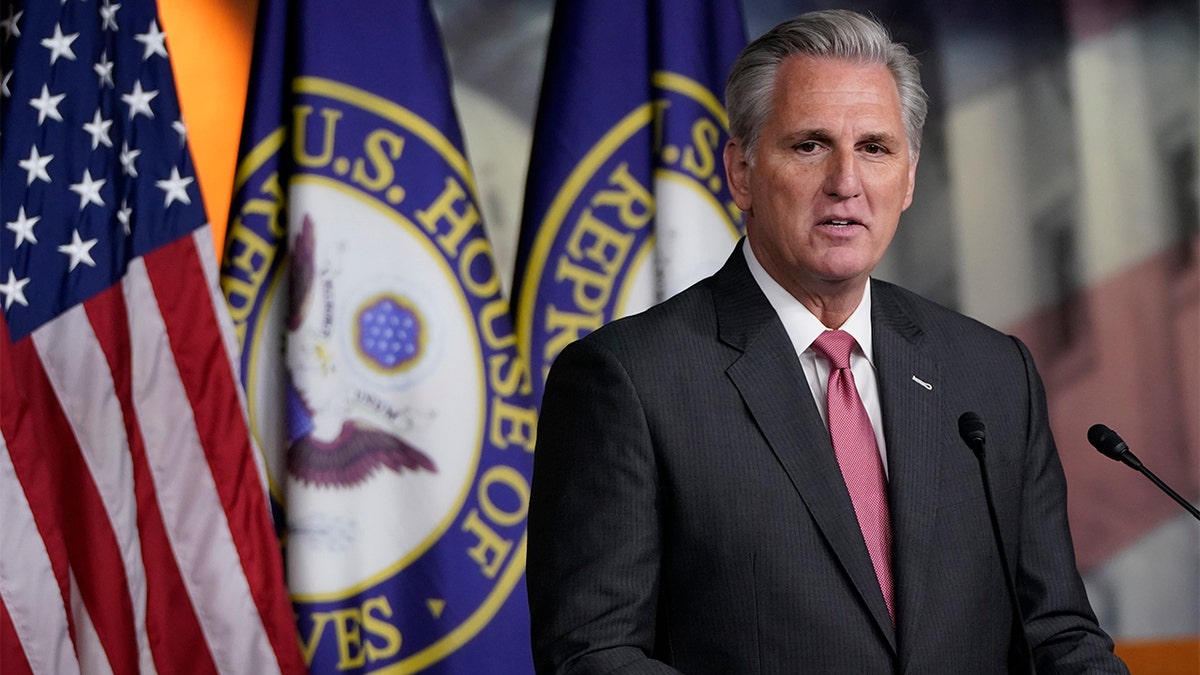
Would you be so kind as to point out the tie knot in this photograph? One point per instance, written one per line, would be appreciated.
(835, 347)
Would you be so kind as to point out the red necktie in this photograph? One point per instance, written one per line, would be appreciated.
(858, 456)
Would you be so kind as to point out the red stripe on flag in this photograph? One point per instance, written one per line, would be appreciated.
(66, 505)
(1143, 383)
(17, 422)
(177, 642)
(12, 656)
(211, 386)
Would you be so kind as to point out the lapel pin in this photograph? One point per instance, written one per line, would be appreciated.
(923, 383)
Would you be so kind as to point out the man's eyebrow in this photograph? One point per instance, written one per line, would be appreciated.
(879, 137)
(822, 135)
(826, 136)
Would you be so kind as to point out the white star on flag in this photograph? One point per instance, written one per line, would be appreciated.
(23, 227)
(128, 157)
(175, 188)
(123, 215)
(104, 68)
(14, 291)
(181, 129)
(154, 40)
(108, 13)
(11, 29)
(98, 128)
(139, 100)
(59, 44)
(79, 250)
(88, 189)
(47, 105)
(36, 166)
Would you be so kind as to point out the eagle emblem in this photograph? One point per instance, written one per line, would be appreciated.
(388, 334)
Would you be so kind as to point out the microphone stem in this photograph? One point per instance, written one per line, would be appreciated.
(1008, 579)
(1171, 493)
(1009, 585)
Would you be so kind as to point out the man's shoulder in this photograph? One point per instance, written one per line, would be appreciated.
(894, 303)
(653, 344)
(685, 312)
(937, 327)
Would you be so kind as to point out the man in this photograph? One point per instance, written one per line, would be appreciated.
(716, 490)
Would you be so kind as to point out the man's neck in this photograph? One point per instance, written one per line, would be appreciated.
(832, 306)
(831, 303)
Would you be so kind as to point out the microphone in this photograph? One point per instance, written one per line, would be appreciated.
(974, 434)
(1112, 446)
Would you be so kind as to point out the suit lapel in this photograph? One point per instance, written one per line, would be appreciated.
(771, 382)
(912, 428)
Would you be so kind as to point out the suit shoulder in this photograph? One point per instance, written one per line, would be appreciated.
(913, 313)
(666, 324)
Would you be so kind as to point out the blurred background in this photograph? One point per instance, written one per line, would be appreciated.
(1057, 199)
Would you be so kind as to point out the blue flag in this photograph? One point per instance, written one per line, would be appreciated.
(379, 360)
(626, 202)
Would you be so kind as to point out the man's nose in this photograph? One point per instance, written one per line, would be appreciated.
(842, 179)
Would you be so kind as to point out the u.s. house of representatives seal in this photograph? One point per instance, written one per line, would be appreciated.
(645, 213)
(408, 427)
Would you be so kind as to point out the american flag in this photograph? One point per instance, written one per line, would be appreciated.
(136, 532)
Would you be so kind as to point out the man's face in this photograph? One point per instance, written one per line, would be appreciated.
(830, 175)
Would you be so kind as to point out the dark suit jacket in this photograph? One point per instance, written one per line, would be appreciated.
(688, 514)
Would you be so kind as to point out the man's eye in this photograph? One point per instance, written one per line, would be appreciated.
(806, 146)
(874, 149)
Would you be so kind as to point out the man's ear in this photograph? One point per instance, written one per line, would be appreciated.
(737, 174)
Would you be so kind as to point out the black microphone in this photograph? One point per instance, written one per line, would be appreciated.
(974, 434)
(1108, 442)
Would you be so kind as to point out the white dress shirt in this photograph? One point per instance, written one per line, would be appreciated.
(803, 327)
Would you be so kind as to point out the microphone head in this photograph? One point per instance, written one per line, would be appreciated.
(1108, 442)
(971, 429)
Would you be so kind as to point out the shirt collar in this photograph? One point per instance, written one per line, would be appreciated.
(803, 326)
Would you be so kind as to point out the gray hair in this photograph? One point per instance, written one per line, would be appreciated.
(835, 33)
